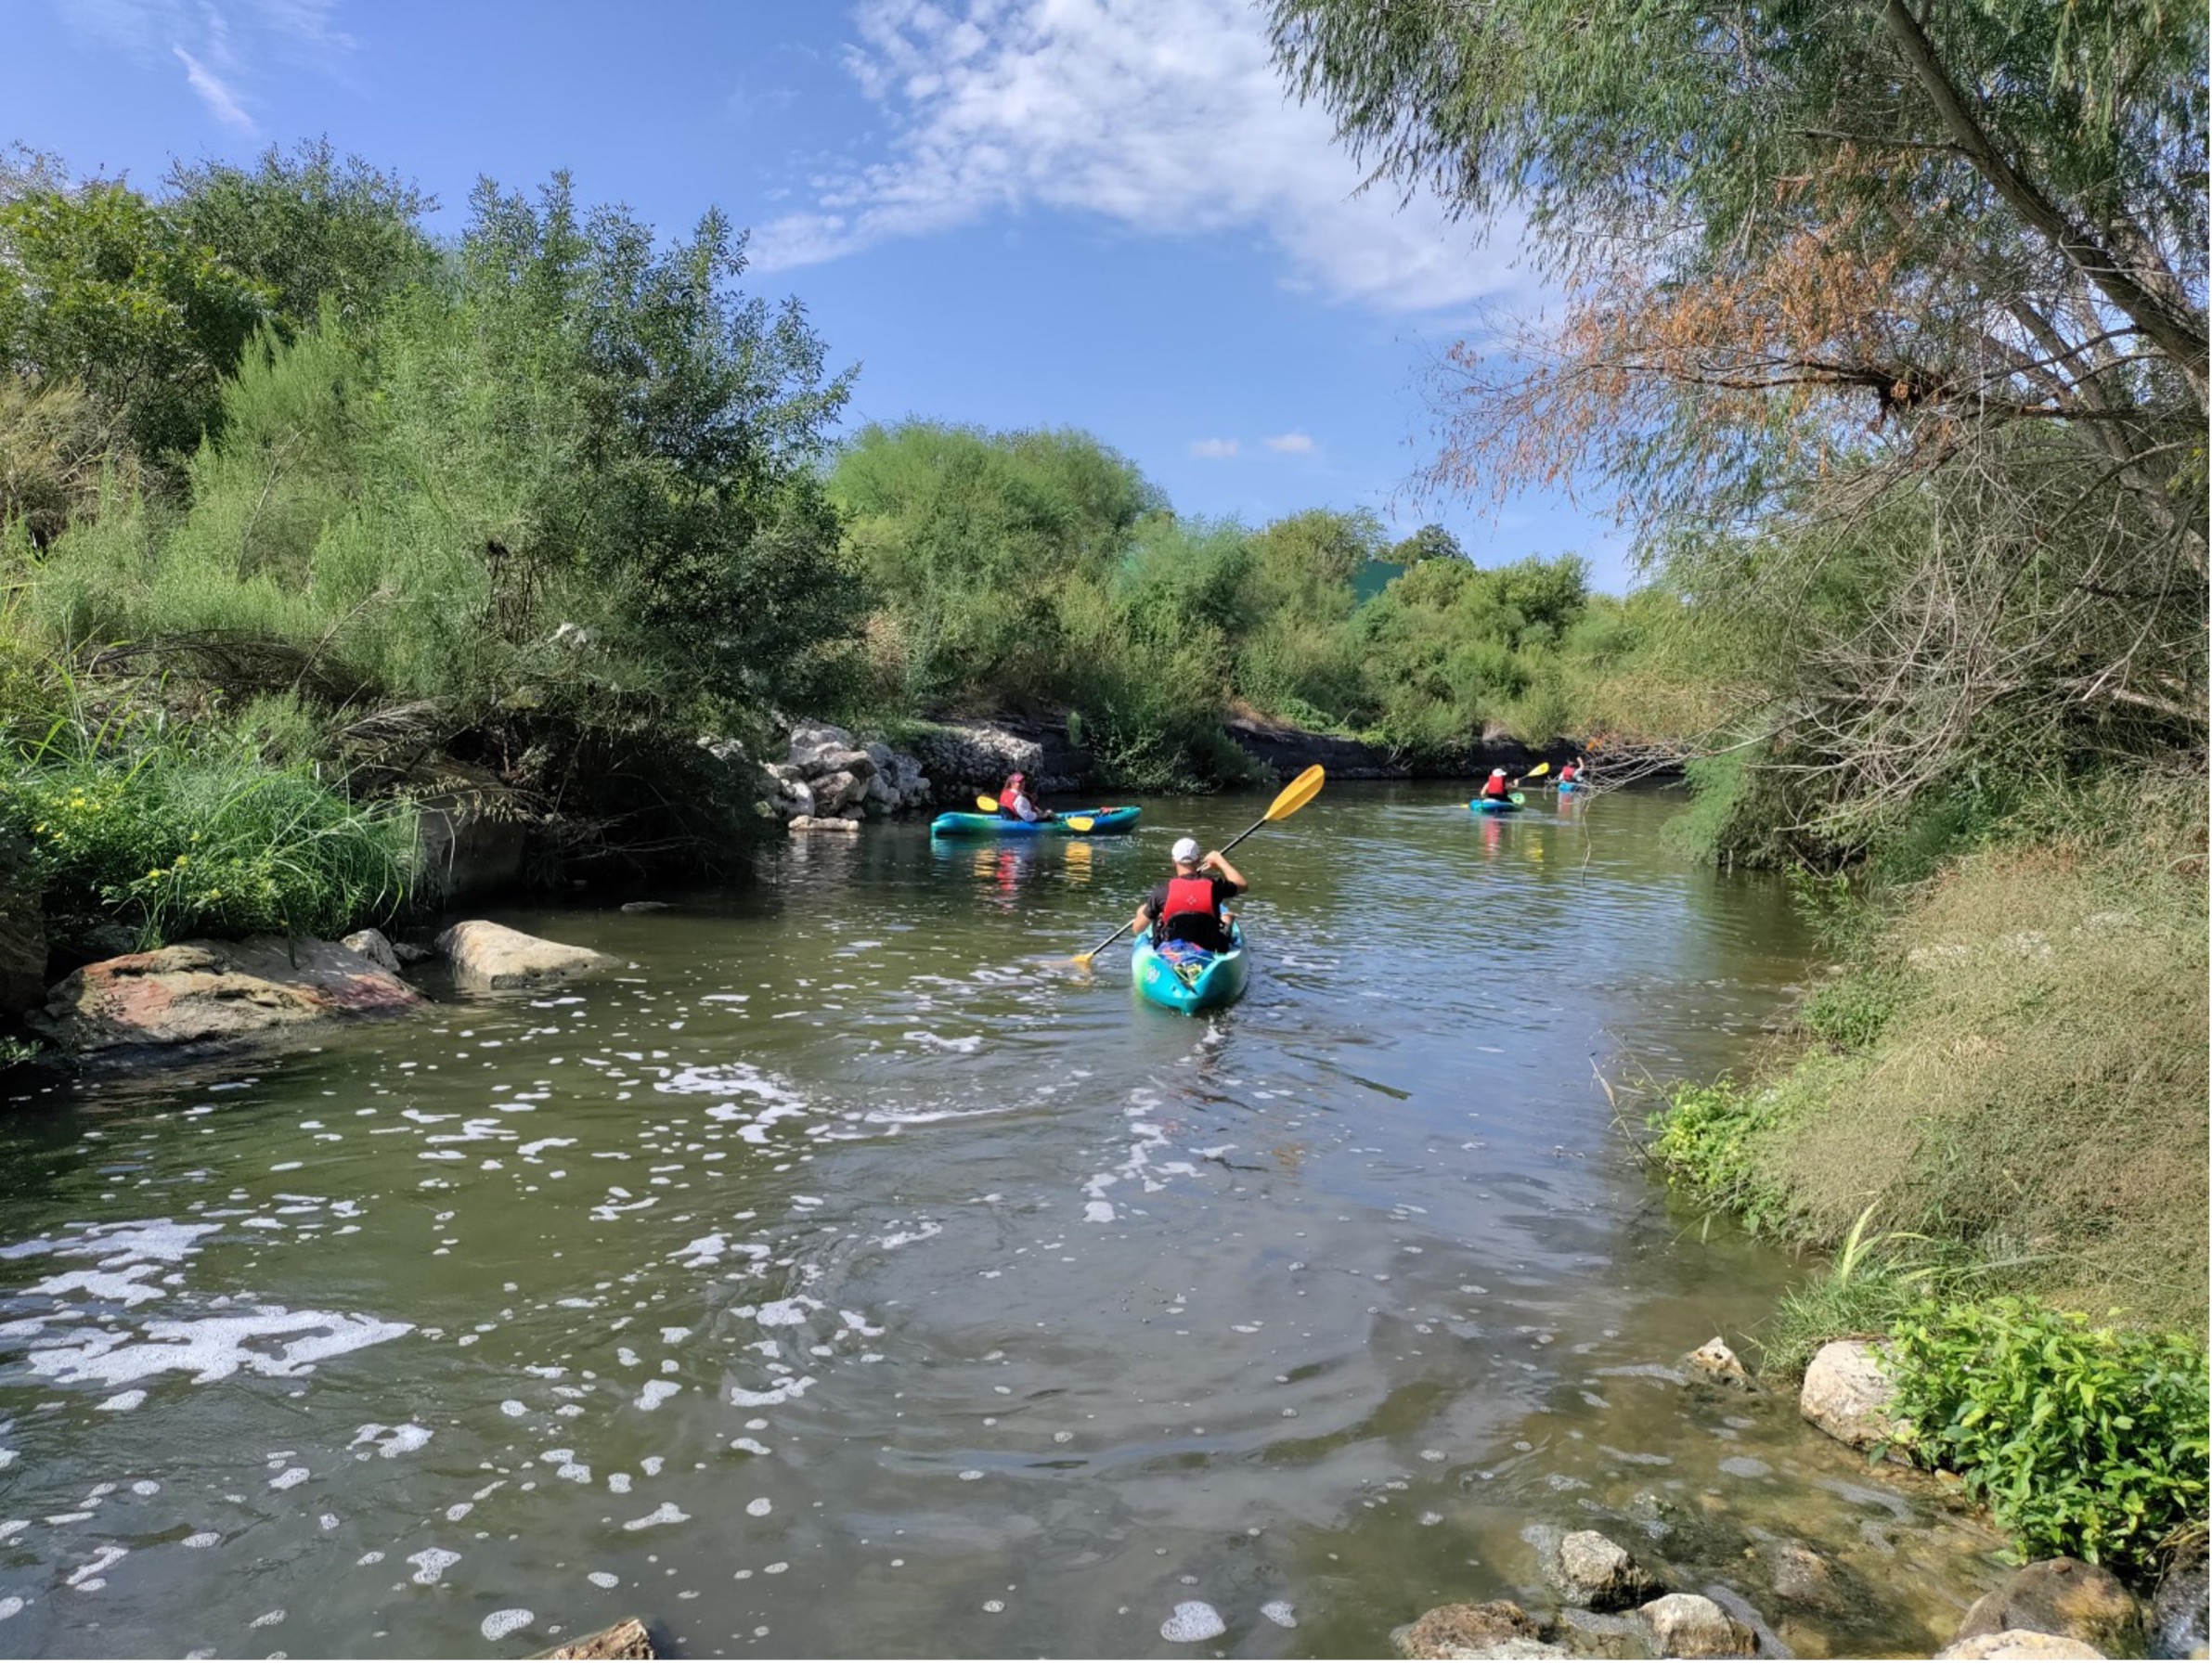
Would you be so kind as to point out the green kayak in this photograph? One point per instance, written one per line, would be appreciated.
(1497, 805)
(961, 824)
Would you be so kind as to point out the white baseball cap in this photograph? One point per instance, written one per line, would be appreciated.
(1186, 849)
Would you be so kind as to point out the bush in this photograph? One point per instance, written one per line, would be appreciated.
(2082, 1440)
(1708, 1135)
(178, 836)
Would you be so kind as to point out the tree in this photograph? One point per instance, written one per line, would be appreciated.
(310, 229)
(1430, 543)
(101, 287)
(1924, 284)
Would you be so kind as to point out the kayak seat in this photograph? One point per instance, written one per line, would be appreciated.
(1204, 931)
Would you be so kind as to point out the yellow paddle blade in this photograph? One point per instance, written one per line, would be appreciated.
(1078, 823)
(1541, 768)
(989, 806)
(1297, 793)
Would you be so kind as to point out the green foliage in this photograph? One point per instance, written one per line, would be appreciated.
(2083, 1440)
(101, 287)
(1853, 1009)
(182, 833)
(1708, 1137)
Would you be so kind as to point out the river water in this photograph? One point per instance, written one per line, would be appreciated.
(846, 1276)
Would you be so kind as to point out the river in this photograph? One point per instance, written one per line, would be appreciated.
(848, 1275)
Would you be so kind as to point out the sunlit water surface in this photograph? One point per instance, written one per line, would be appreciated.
(845, 1276)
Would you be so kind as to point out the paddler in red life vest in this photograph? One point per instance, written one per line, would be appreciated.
(1570, 773)
(1188, 908)
(1015, 803)
(1497, 788)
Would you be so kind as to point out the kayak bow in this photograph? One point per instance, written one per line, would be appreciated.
(1496, 806)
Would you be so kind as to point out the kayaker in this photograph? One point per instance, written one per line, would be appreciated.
(1188, 908)
(1497, 788)
(1015, 803)
(1570, 773)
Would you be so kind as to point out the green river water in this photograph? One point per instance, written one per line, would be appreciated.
(845, 1277)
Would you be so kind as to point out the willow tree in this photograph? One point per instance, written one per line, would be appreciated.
(1886, 319)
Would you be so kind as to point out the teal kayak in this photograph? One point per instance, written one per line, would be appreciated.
(1496, 806)
(1567, 785)
(1185, 978)
(959, 824)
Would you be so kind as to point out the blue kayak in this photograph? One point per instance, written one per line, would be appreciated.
(1496, 806)
(1182, 978)
(1567, 785)
(961, 824)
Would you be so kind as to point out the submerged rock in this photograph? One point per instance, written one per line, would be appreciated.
(1689, 1626)
(200, 992)
(484, 955)
(1799, 1576)
(1716, 1362)
(372, 945)
(1595, 1571)
(629, 1639)
(1494, 1629)
(1847, 1394)
(2065, 1597)
(2020, 1643)
(824, 823)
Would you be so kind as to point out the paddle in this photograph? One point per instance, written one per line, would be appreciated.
(1289, 800)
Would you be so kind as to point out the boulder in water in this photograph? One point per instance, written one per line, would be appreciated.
(2065, 1597)
(2020, 1643)
(629, 1639)
(372, 945)
(1717, 1362)
(484, 955)
(212, 992)
(1847, 1394)
(1494, 1629)
(1592, 1570)
(1691, 1626)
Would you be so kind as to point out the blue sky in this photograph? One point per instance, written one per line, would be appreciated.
(1100, 214)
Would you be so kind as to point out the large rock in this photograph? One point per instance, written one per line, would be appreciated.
(484, 955)
(1717, 1362)
(2177, 1615)
(22, 934)
(629, 1639)
(373, 946)
(1594, 1572)
(823, 823)
(1689, 1626)
(836, 791)
(1847, 1394)
(203, 992)
(1494, 1630)
(2062, 1597)
(2020, 1643)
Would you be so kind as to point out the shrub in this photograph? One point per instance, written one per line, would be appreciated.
(177, 836)
(1708, 1136)
(2083, 1440)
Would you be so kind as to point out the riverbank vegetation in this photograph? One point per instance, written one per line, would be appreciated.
(1889, 325)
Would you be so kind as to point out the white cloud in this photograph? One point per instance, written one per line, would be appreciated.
(1167, 117)
(1291, 445)
(222, 46)
(213, 93)
(1214, 450)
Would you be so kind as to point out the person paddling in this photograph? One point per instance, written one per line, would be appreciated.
(1570, 773)
(1188, 908)
(1015, 803)
(1497, 788)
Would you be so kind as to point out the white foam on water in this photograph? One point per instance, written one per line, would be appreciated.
(655, 1393)
(601, 1580)
(939, 1042)
(750, 1446)
(266, 1619)
(213, 1348)
(287, 1478)
(1280, 1612)
(667, 1514)
(503, 1623)
(675, 1336)
(618, 1484)
(146, 1487)
(780, 1314)
(9, 1606)
(85, 1576)
(1191, 1621)
(390, 1442)
(202, 1540)
(759, 1507)
(130, 1399)
(513, 1406)
(433, 1564)
(775, 1395)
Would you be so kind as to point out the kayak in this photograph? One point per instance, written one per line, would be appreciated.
(1494, 806)
(959, 824)
(1185, 978)
(1567, 785)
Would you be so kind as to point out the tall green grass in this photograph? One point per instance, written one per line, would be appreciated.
(173, 833)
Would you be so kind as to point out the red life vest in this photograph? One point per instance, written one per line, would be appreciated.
(1190, 895)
